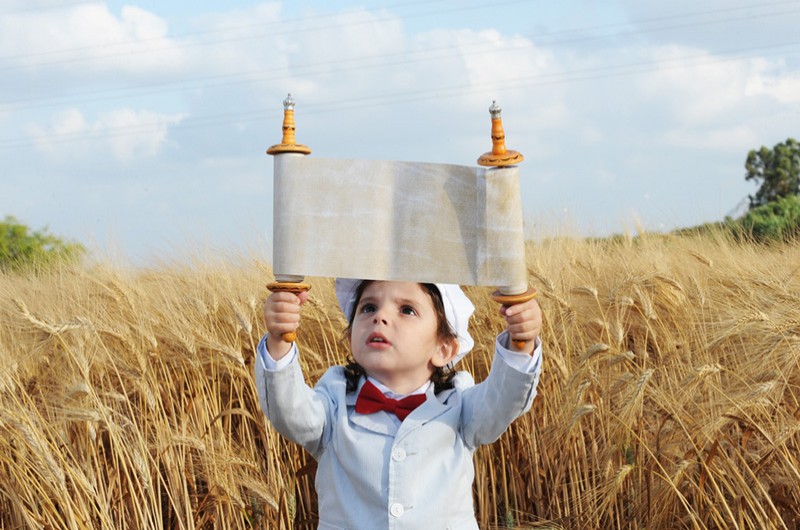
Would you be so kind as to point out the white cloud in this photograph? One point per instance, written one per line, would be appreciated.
(248, 40)
(144, 133)
(783, 88)
(139, 24)
(348, 56)
(124, 133)
(717, 103)
(490, 56)
(714, 24)
(737, 139)
(697, 86)
(69, 122)
(87, 37)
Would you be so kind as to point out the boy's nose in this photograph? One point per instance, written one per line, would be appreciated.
(379, 316)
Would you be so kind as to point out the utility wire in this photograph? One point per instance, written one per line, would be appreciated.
(369, 101)
(238, 38)
(325, 16)
(47, 8)
(287, 28)
(227, 29)
(308, 69)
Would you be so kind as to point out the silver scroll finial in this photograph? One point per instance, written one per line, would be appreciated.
(288, 103)
(495, 110)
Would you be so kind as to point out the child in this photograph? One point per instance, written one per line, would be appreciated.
(388, 464)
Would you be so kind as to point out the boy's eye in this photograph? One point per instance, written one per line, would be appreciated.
(367, 308)
(408, 310)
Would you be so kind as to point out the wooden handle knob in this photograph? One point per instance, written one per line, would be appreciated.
(288, 143)
(290, 287)
(514, 299)
(499, 156)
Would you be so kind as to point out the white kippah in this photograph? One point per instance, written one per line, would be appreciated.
(457, 307)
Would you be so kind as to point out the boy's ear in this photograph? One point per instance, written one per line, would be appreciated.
(447, 353)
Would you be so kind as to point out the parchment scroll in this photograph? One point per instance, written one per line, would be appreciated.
(403, 221)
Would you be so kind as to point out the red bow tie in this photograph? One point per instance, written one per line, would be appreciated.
(370, 400)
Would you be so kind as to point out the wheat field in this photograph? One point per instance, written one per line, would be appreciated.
(670, 396)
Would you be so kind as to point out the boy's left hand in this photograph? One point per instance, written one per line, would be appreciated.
(524, 323)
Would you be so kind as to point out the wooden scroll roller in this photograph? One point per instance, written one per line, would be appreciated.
(291, 283)
(499, 156)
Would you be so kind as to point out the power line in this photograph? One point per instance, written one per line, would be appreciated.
(273, 74)
(47, 8)
(611, 71)
(236, 38)
(228, 29)
(693, 14)
(403, 57)
(289, 23)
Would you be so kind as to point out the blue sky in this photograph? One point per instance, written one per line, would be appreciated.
(139, 128)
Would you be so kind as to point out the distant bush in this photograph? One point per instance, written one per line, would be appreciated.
(22, 249)
(778, 220)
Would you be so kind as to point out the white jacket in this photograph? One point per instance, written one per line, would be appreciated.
(374, 474)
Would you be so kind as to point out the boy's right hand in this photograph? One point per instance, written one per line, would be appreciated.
(282, 315)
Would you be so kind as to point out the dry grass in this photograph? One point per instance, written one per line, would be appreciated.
(670, 397)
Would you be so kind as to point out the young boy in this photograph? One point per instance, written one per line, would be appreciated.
(394, 431)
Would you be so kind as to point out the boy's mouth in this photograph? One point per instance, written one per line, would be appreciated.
(377, 338)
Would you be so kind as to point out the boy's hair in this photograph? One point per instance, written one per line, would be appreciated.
(442, 376)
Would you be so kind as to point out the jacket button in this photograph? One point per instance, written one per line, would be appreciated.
(399, 454)
(396, 509)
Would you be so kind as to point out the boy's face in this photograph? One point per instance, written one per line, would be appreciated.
(394, 335)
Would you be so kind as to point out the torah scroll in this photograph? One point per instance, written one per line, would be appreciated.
(403, 221)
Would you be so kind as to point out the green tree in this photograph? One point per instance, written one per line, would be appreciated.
(776, 170)
(23, 249)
